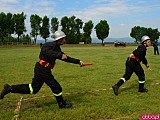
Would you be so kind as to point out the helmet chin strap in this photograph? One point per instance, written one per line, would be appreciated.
(61, 41)
(145, 44)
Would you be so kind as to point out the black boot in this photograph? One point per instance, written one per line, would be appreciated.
(116, 86)
(115, 89)
(141, 88)
(62, 103)
(6, 90)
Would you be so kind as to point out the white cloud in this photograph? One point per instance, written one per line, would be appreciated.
(118, 11)
(100, 1)
(8, 1)
(112, 10)
(122, 24)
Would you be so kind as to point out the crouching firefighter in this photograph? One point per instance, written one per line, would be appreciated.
(50, 51)
(133, 65)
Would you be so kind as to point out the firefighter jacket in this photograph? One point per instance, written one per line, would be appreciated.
(51, 51)
(140, 53)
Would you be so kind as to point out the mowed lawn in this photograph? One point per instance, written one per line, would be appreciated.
(17, 64)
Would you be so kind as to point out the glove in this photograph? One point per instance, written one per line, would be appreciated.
(81, 63)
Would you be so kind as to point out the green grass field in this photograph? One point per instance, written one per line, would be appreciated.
(17, 64)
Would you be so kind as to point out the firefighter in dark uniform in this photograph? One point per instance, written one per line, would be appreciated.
(50, 51)
(133, 65)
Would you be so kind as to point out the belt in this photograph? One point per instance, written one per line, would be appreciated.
(136, 58)
(46, 64)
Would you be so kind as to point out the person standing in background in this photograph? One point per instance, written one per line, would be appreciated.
(155, 45)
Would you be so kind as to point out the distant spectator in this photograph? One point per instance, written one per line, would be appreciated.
(155, 45)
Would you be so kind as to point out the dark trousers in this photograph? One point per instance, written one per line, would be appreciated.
(41, 75)
(133, 66)
(156, 51)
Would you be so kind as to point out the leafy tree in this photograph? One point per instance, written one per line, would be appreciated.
(19, 24)
(44, 30)
(35, 21)
(66, 27)
(87, 31)
(10, 25)
(102, 30)
(71, 26)
(65, 24)
(2, 26)
(6, 25)
(25, 39)
(3, 31)
(54, 24)
(77, 27)
(153, 33)
(72, 32)
(137, 32)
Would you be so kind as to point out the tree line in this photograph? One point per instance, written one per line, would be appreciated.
(137, 32)
(75, 29)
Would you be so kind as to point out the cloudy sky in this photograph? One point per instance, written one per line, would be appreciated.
(121, 15)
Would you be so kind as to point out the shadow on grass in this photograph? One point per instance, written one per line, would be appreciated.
(49, 101)
(133, 86)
